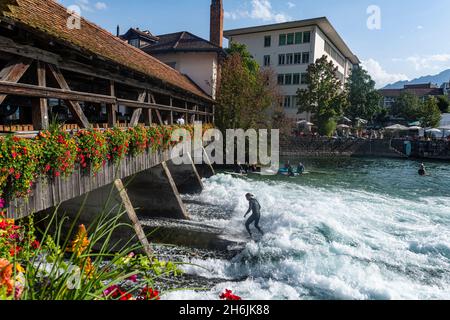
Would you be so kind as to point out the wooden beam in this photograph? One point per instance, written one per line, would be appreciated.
(40, 110)
(133, 218)
(13, 72)
(27, 90)
(9, 46)
(148, 112)
(111, 108)
(171, 112)
(137, 113)
(158, 114)
(74, 106)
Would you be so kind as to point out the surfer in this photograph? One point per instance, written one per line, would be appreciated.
(422, 170)
(255, 208)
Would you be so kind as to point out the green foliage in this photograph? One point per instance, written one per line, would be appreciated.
(247, 59)
(324, 96)
(363, 98)
(443, 103)
(328, 128)
(430, 113)
(245, 93)
(407, 106)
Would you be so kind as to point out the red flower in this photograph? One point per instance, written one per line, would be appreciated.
(35, 244)
(229, 296)
(149, 294)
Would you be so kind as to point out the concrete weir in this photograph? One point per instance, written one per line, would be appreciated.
(153, 194)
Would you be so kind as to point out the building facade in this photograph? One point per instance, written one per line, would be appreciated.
(193, 56)
(422, 91)
(289, 48)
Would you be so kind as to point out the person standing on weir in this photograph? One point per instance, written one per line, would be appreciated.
(255, 208)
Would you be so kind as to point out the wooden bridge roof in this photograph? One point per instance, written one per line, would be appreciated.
(50, 18)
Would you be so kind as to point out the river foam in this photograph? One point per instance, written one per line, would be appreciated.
(328, 243)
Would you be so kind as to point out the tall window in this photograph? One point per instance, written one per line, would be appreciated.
(298, 37)
(305, 58)
(289, 58)
(280, 79)
(288, 79)
(290, 39)
(282, 40)
(307, 37)
(281, 59)
(267, 41)
(297, 58)
(266, 61)
(296, 78)
(287, 101)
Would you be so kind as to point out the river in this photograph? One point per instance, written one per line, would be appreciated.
(350, 229)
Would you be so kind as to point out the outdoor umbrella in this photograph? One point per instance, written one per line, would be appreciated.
(415, 128)
(397, 127)
(434, 131)
(343, 126)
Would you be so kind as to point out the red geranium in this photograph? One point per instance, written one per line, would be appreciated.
(229, 296)
(149, 294)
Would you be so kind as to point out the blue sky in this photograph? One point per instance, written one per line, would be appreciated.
(413, 39)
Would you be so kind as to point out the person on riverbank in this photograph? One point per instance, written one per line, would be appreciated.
(301, 168)
(255, 208)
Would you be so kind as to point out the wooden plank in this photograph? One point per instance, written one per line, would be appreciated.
(74, 106)
(111, 108)
(13, 72)
(137, 113)
(40, 110)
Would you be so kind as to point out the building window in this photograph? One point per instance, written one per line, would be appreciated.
(282, 39)
(307, 37)
(305, 58)
(304, 79)
(334, 54)
(297, 58)
(298, 37)
(289, 58)
(267, 41)
(287, 101)
(290, 39)
(296, 79)
(294, 101)
(281, 59)
(288, 79)
(281, 79)
(134, 42)
(266, 61)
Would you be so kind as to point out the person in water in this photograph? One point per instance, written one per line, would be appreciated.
(255, 208)
(301, 168)
(239, 169)
(422, 170)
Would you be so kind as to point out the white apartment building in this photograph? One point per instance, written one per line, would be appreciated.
(288, 48)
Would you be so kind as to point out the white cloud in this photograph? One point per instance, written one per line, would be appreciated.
(291, 5)
(380, 75)
(260, 10)
(419, 27)
(430, 62)
(101, 6)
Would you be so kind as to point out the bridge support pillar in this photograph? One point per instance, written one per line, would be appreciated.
(154, 193)
(206, 169)
(186, 177)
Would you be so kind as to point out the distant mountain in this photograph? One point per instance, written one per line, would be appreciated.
(438, 79)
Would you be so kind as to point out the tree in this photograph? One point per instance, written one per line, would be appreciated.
(430, 116)
(324, 96)
(363, 98)
(443, 103)
(245, 92)
(247, 58)
(407, 106)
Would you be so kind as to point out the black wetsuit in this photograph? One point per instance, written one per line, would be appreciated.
(255, 208)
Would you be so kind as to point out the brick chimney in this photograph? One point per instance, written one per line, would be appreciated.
(216, 27)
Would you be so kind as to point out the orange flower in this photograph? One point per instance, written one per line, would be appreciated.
(80, 243)
(6, 272)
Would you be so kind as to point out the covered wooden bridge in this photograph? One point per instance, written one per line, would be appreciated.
(56, 67)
